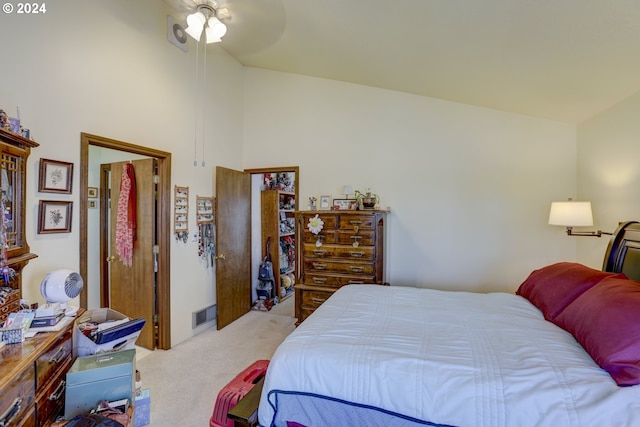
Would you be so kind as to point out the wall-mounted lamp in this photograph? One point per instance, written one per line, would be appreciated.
(573, 214)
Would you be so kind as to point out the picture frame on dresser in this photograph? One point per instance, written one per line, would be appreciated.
(54, 216)
(55, 176)
(325, 203)
(344, 204)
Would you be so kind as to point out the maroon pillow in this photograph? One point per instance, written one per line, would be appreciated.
(606, 321)
(555, 286)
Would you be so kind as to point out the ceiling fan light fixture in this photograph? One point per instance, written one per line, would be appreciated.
(195, 23)
(216, 29)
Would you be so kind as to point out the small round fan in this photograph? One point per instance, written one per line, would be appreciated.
(61, 285)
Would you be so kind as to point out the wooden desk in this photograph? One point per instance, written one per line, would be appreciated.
(32, 378)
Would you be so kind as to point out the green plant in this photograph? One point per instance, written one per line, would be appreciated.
(367, 197)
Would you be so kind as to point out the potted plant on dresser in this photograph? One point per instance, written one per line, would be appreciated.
(366, 200)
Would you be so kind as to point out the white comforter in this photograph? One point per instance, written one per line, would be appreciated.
(457, 358)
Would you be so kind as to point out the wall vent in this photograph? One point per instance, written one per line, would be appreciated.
(203, 316)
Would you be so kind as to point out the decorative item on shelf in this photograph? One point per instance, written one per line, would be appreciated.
(12, 124)
(312, 203)
(181, 213)
(366, 200)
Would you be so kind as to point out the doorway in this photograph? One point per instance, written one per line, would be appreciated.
(163, 159)
(257, 246)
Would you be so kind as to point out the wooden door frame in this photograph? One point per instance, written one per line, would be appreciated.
(164, 223)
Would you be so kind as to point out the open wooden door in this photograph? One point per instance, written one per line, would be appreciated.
(233, 244)
(133, 289)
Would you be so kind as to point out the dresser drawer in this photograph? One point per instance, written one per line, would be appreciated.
(361, 238)
(314, 299)
(50, 401)
(330, 220)
(17, 399)
(339, 266)
(333, 251)
(325, 236)
(54, 359)
(30, 419)
(336, 280)
(356, 222)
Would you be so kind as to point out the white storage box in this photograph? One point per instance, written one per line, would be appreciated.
(84, 346)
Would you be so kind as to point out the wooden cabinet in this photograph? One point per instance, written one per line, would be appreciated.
(349, 249)
(278, 224)
(32, 378)
(14, 150)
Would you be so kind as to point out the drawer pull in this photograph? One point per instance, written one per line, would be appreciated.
(320, 252)
(318, 300)
(56, 395)
(356, 237)
(356, 268)
(355, 222)
(10, 413)
(319, 266)
(60, 354)
(356, 282)
(319, 280)
(356, 253)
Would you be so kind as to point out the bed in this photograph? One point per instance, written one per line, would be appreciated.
(564, 350)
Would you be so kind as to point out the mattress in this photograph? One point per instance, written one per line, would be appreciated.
(430, 357)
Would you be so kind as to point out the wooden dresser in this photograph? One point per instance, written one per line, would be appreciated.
(349, 249)
(32, 378)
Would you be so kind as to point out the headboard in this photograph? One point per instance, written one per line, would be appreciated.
(623, 252)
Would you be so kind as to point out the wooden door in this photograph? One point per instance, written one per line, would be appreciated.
(133, 288)
(233, 244)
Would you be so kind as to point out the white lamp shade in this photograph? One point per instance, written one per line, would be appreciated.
(215, 30)
(571, 214)
(195, 23)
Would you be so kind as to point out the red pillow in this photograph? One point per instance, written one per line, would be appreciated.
(555, 286)
(606, 321)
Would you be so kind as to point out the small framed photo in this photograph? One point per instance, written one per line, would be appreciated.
(54, 216)
(342, 204)
(325, 203)
(92, 192)
(55, 176)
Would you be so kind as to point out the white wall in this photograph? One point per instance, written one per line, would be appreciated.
(469, 187)
(105, 67)
(609, 172)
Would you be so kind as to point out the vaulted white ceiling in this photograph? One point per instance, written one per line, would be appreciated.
(565, 60)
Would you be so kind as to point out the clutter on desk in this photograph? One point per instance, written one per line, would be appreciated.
(105, 330)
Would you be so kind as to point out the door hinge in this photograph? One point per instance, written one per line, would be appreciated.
(156, 179)
(155, 319)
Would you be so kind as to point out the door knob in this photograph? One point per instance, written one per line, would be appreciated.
(111, 258)
(221, 256)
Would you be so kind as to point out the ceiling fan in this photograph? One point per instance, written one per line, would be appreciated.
(252, 26)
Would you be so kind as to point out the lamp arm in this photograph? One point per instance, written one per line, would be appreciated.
(598, 233)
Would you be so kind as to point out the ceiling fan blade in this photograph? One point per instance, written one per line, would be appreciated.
(253, 26)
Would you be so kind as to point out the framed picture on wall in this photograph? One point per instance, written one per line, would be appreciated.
(55, 176)
(54, 216)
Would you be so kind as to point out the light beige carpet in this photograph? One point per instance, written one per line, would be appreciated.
(185, 381)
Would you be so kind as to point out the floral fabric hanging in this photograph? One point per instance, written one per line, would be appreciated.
(126, 215)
